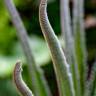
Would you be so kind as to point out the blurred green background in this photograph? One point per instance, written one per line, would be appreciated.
(10, 48)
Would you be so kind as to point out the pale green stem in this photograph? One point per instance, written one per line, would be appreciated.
(18, 81)
(69, 43)
(62, 69)
(66, 28)
(79, 39)
(39, 84)
(91, 82)
(94, 87)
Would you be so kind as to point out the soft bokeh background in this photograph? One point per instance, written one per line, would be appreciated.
(10, 48)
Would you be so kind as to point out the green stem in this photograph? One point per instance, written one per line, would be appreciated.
(20, 84)
(69, 43)
(62, 70)
(91, 82)
(79, 39)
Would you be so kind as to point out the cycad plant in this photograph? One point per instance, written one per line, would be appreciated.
(70, 65)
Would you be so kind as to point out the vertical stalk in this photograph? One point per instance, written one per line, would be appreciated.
(66, 29)
(91, 82)
(62, 68)
(79, 39)
(39, 84)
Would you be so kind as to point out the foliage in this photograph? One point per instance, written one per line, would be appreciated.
(69, 64)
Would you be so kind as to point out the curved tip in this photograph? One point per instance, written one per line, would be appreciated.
(18, 81)
(18, 67)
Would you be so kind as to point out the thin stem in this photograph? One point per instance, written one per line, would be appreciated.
(39, 84)
(66, 27)
(90, 83)
(69, 43)
(62, 70)
(79, 39)
(20, 84)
